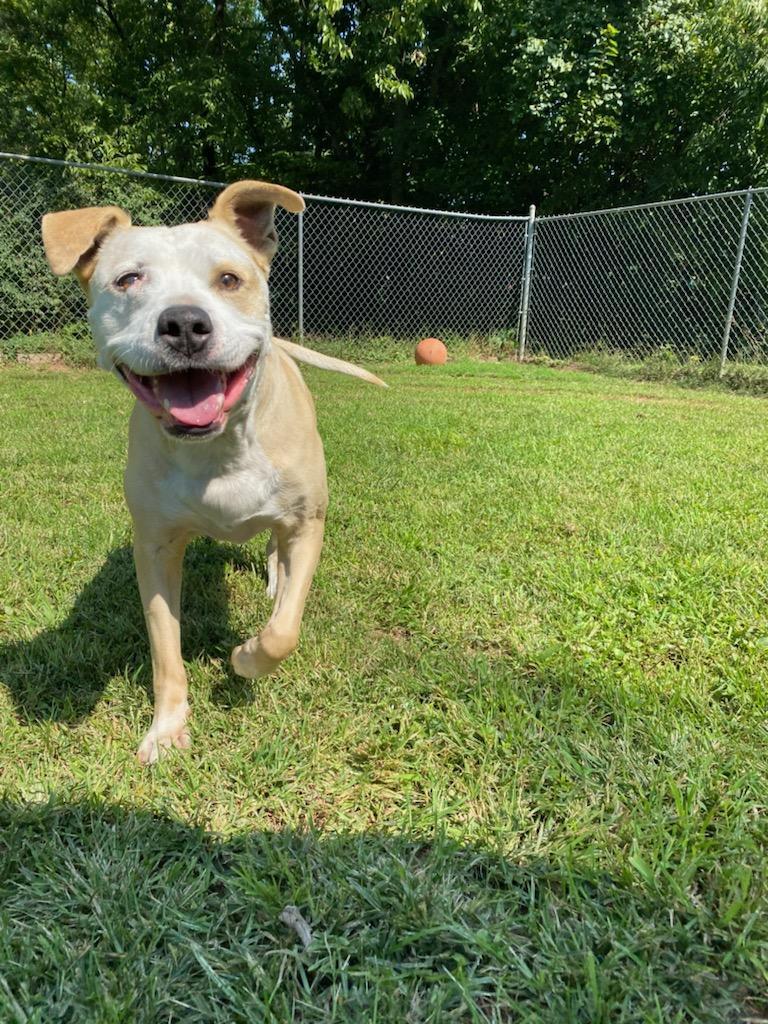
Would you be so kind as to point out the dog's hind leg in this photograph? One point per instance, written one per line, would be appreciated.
(298, 552)
(272, 565)
(158, 568)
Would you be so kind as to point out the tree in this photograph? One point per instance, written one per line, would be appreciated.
(457, 103)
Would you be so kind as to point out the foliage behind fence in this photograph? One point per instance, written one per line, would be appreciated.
(634, 281)
(646, 279)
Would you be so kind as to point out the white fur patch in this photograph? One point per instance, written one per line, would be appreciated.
(176, 266)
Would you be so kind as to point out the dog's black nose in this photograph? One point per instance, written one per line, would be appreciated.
(188, 329)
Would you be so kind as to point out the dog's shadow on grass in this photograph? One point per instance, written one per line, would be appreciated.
(61, 673)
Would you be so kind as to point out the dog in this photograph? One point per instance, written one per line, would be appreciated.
(223, 439)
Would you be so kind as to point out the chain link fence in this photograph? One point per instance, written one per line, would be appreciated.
(343, 268)
(371, 270)
(33, 301)
(685, 278)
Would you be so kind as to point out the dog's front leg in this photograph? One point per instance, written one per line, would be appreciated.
(298, 552)
(158, 568)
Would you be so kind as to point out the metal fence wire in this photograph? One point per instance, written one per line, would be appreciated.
(342, 268)
(685, 279)
(373, 271)
(33, 301)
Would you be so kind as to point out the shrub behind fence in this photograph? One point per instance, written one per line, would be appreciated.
(687, 278)
(342, 268)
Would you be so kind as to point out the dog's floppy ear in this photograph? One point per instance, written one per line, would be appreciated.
(249, 206)
(72, 237)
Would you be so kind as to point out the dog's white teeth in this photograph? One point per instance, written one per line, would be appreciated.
(166, 405)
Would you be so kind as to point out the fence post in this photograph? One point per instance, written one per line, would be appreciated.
(735, 280)
(300, 271)
(526, 296)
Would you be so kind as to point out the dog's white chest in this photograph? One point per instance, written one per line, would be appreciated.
(237, 505)
(227, 489)
(230, 503)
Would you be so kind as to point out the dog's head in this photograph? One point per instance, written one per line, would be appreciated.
(181, 314)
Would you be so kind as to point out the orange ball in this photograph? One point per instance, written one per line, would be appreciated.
(431, 352)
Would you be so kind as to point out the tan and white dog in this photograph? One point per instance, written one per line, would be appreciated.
(223, 440)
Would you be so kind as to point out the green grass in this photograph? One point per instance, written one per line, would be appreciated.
(748, 376)
(516, 770)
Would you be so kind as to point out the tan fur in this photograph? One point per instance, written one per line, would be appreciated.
(248, 297)
(249, 207)
(71, 237)
(263, 470)
(324, 362)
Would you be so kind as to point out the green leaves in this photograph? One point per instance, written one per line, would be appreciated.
(438, 102)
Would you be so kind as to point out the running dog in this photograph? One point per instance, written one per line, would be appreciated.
(223, 440)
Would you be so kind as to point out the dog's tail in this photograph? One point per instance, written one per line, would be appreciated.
(308, 355)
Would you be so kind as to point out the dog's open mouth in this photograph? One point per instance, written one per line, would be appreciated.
(190, 401)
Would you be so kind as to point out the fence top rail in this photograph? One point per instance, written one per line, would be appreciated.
(651, 206)
(385, 206)
(112, 170)
(222, 184)
(414, 209)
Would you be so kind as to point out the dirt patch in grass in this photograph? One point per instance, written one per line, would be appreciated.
(44, 361)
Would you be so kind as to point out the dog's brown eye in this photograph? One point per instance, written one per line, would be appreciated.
(126, 280)
(229, 281)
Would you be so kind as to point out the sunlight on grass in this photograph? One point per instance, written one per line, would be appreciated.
(515, 770)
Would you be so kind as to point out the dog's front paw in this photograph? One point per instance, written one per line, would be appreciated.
(244, 663)
(160, 739)
(261, 655)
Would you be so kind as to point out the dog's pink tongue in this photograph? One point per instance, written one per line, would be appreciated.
(194, 397)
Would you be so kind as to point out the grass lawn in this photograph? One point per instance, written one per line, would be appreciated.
(517, 770)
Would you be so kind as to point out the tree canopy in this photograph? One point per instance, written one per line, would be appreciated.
(464, 104)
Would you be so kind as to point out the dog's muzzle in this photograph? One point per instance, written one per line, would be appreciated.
(193, 402)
